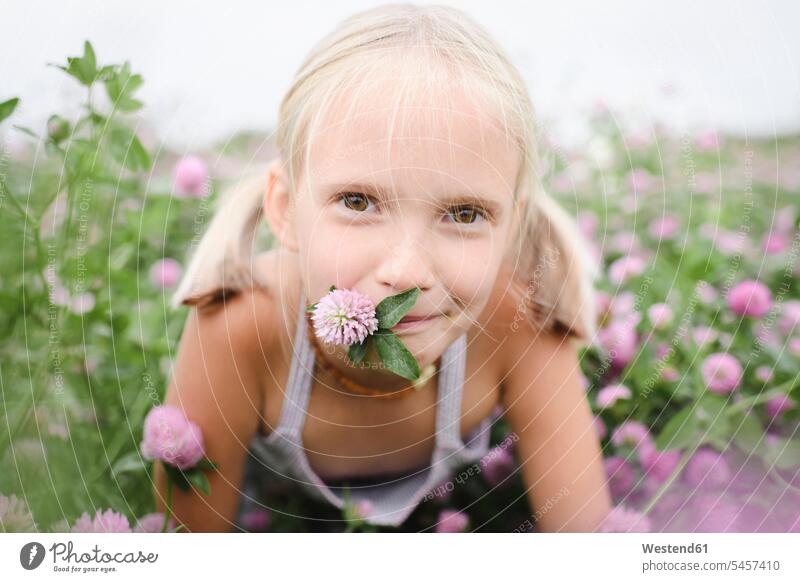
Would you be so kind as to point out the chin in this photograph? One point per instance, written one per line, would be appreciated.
(424, 350)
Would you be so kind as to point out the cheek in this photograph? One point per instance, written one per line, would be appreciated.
(470, 270)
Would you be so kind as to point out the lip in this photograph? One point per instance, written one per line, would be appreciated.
(408, 323)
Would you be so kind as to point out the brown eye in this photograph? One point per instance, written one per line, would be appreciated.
(466, 214)
(355, 201)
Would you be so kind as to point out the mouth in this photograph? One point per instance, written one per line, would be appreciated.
(413, 322)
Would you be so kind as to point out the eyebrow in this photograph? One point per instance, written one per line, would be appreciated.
(490, 204)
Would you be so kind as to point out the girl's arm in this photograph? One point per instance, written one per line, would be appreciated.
(216, 384)
(558, 449)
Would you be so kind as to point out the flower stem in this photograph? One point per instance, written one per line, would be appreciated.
(672, 476)
(168, 512)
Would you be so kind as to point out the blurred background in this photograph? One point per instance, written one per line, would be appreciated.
(730, 66)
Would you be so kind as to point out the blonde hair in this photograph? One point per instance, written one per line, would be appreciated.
(453, 49)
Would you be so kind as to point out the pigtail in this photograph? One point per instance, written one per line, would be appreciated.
(222, 262)
(562, 272)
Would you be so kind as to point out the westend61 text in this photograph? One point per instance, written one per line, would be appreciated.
(670, 549)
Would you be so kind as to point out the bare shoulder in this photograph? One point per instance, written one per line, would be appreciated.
(508, 320)
(243, 322)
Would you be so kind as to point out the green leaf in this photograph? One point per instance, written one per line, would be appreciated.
(783, 453)
(712, 418)
(88, 63)
(7, 108)
(198, 480)
(131, 462)
(58, 128)
(126, 148)
(395, 356)
(749, 435)
(84, 68)
(106, 72)
(392, 309)
(205, 464)
(177, 476)
(680, 432)
(26, 131)
(357, 351)
(710, 406)
(120, 86)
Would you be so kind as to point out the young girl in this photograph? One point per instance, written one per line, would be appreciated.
(407, 158)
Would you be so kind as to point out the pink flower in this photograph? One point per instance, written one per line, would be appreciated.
(632, 433)
(658, 465)
(152, 523)
(670, 374)
(623, 242)
(15, 515)
(713, 514)
(623, 308)
(363, 508)
(608, 395)
(722, 372)
(790, 317)
(190, 177)
(764, 374)
(452, 521)
(618, 339)
(794, 346)
(623, 520)
(602, 305)
(703, 335)
(165, 273)
(706, 292)
(730, 243)
(172, 438)
(751, 298)
(257, 520)
(775, 242)
(664, 228)
(660, 315)
(59, 295)
(82, 303)
(707, 141)
(706, 182)
(497, 465)
(640, 180)
(765, 334)
(778, 405)
(344, 316)
(708, 468)
(587, 223)
(621, 476)
(600, 427)
(108, 521)
(624, 268)
(785, 219)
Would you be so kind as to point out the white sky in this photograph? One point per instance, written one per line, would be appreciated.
(213, 69)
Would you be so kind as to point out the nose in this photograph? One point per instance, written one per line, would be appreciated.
(407, 264)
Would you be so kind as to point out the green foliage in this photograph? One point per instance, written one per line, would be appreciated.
(86, 338)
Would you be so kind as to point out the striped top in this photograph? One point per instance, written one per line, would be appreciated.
(392, 498)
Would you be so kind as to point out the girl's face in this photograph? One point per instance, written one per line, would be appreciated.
(430, 206)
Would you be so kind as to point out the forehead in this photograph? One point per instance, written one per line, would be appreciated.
(436, 139)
